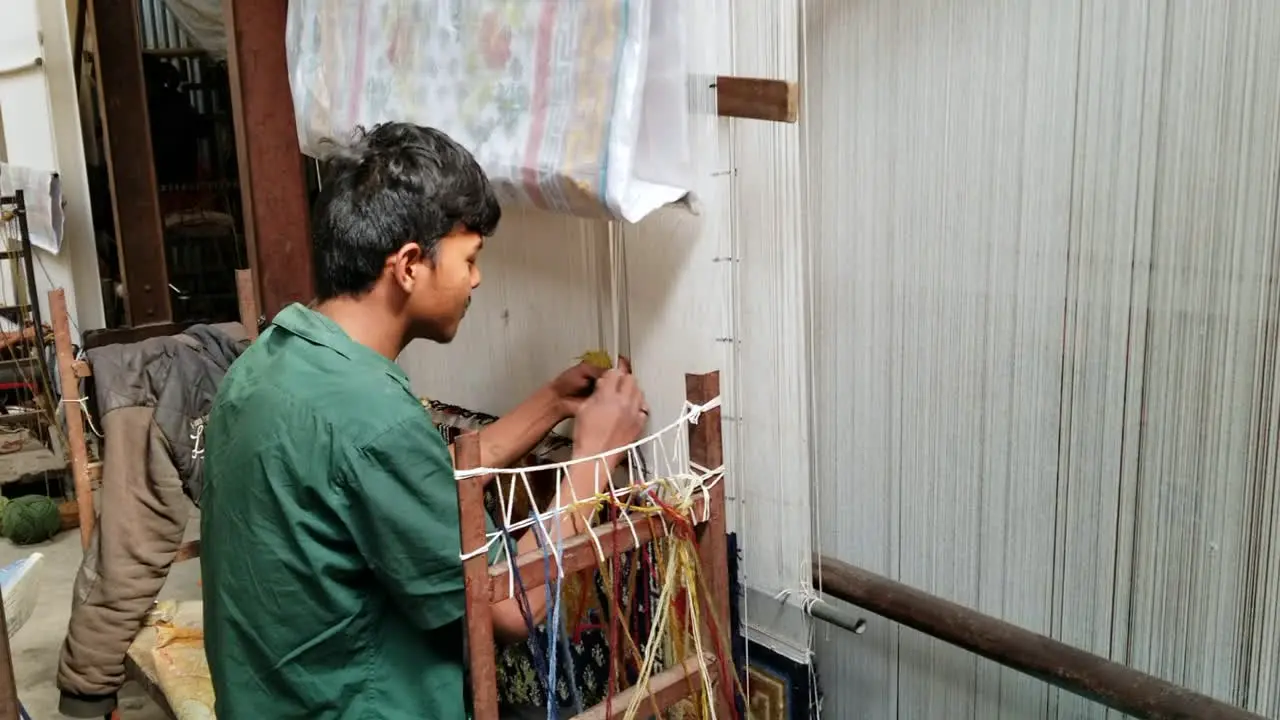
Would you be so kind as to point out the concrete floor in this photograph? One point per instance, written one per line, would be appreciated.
(38, 643)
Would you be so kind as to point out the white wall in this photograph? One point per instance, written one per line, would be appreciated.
(41, 122)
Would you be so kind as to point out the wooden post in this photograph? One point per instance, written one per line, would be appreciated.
(8, 683)
(706, 449)
(272, 184)
(126, 130)
(475, 571)
(246, 294)
(70, 382)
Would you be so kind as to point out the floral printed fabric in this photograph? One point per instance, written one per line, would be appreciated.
(545, 93)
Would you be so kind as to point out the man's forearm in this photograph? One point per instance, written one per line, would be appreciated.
(583, 482)
(512, 436)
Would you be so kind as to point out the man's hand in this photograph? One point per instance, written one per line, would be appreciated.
(572, 387)
(613, 416)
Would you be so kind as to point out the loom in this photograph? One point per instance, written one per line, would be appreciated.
(582, 164)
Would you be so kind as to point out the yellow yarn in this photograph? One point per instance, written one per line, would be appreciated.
(597, 358)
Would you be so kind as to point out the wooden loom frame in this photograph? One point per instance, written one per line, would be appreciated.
(486, 585)
(139, 669)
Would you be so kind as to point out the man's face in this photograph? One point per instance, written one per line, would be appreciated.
(439, 299)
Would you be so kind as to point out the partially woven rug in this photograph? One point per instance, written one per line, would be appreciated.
(585, 623)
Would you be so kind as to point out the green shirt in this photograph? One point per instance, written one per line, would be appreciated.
(329, 536)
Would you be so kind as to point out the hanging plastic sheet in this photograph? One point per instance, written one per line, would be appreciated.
(574, 107)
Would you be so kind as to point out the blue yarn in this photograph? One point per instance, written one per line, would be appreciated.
(558, 640)
(553, 617)
(522, 600)
(570, 671)
(549, 678)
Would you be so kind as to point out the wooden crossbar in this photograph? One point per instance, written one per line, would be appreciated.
(665, 689)
(579, 553)
(486, 586)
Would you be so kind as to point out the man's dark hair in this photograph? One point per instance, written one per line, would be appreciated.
(394, 184)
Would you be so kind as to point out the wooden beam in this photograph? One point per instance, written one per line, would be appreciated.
(122, 94)
(74, 417)
(757, 99)
(246, 295)
(666, 689)
(579, 554)
(706, 449)
(475, 573)
(272, 182)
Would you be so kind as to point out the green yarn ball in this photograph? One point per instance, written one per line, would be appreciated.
(30, 519)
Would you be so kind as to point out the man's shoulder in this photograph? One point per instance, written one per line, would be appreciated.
(301, 389)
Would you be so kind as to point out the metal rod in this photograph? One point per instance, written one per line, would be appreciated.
(1072, 669)
(838, 617)
(33, 297)
(28, 66)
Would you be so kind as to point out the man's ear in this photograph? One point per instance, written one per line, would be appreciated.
(408, 265)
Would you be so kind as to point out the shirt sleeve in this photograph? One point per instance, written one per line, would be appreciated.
(402, 502)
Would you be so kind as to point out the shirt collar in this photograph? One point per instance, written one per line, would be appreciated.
(297, 319)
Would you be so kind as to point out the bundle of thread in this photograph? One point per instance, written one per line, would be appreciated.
(29, 519)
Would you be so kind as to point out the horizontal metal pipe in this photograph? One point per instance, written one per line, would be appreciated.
(1082, 673)
(839, 618)
(21, 68)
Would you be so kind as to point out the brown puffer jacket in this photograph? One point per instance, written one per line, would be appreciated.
(152, 397)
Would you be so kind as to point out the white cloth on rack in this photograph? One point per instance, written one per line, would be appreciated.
(202, 21)
(42, 192)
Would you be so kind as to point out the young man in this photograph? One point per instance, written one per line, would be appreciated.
(331, 561)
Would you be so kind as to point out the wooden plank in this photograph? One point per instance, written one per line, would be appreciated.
(579, 554)
(757, 99)
(30, 418)
(128, 335)
(187, 551)
(122, 94)
(706, 449)
(475, 573)
(74, 418)
(246, 295)
(666, 688)
(272, 182)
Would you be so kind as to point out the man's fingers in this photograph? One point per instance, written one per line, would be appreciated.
(608, 381)
(589, 370)
(624, 364)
